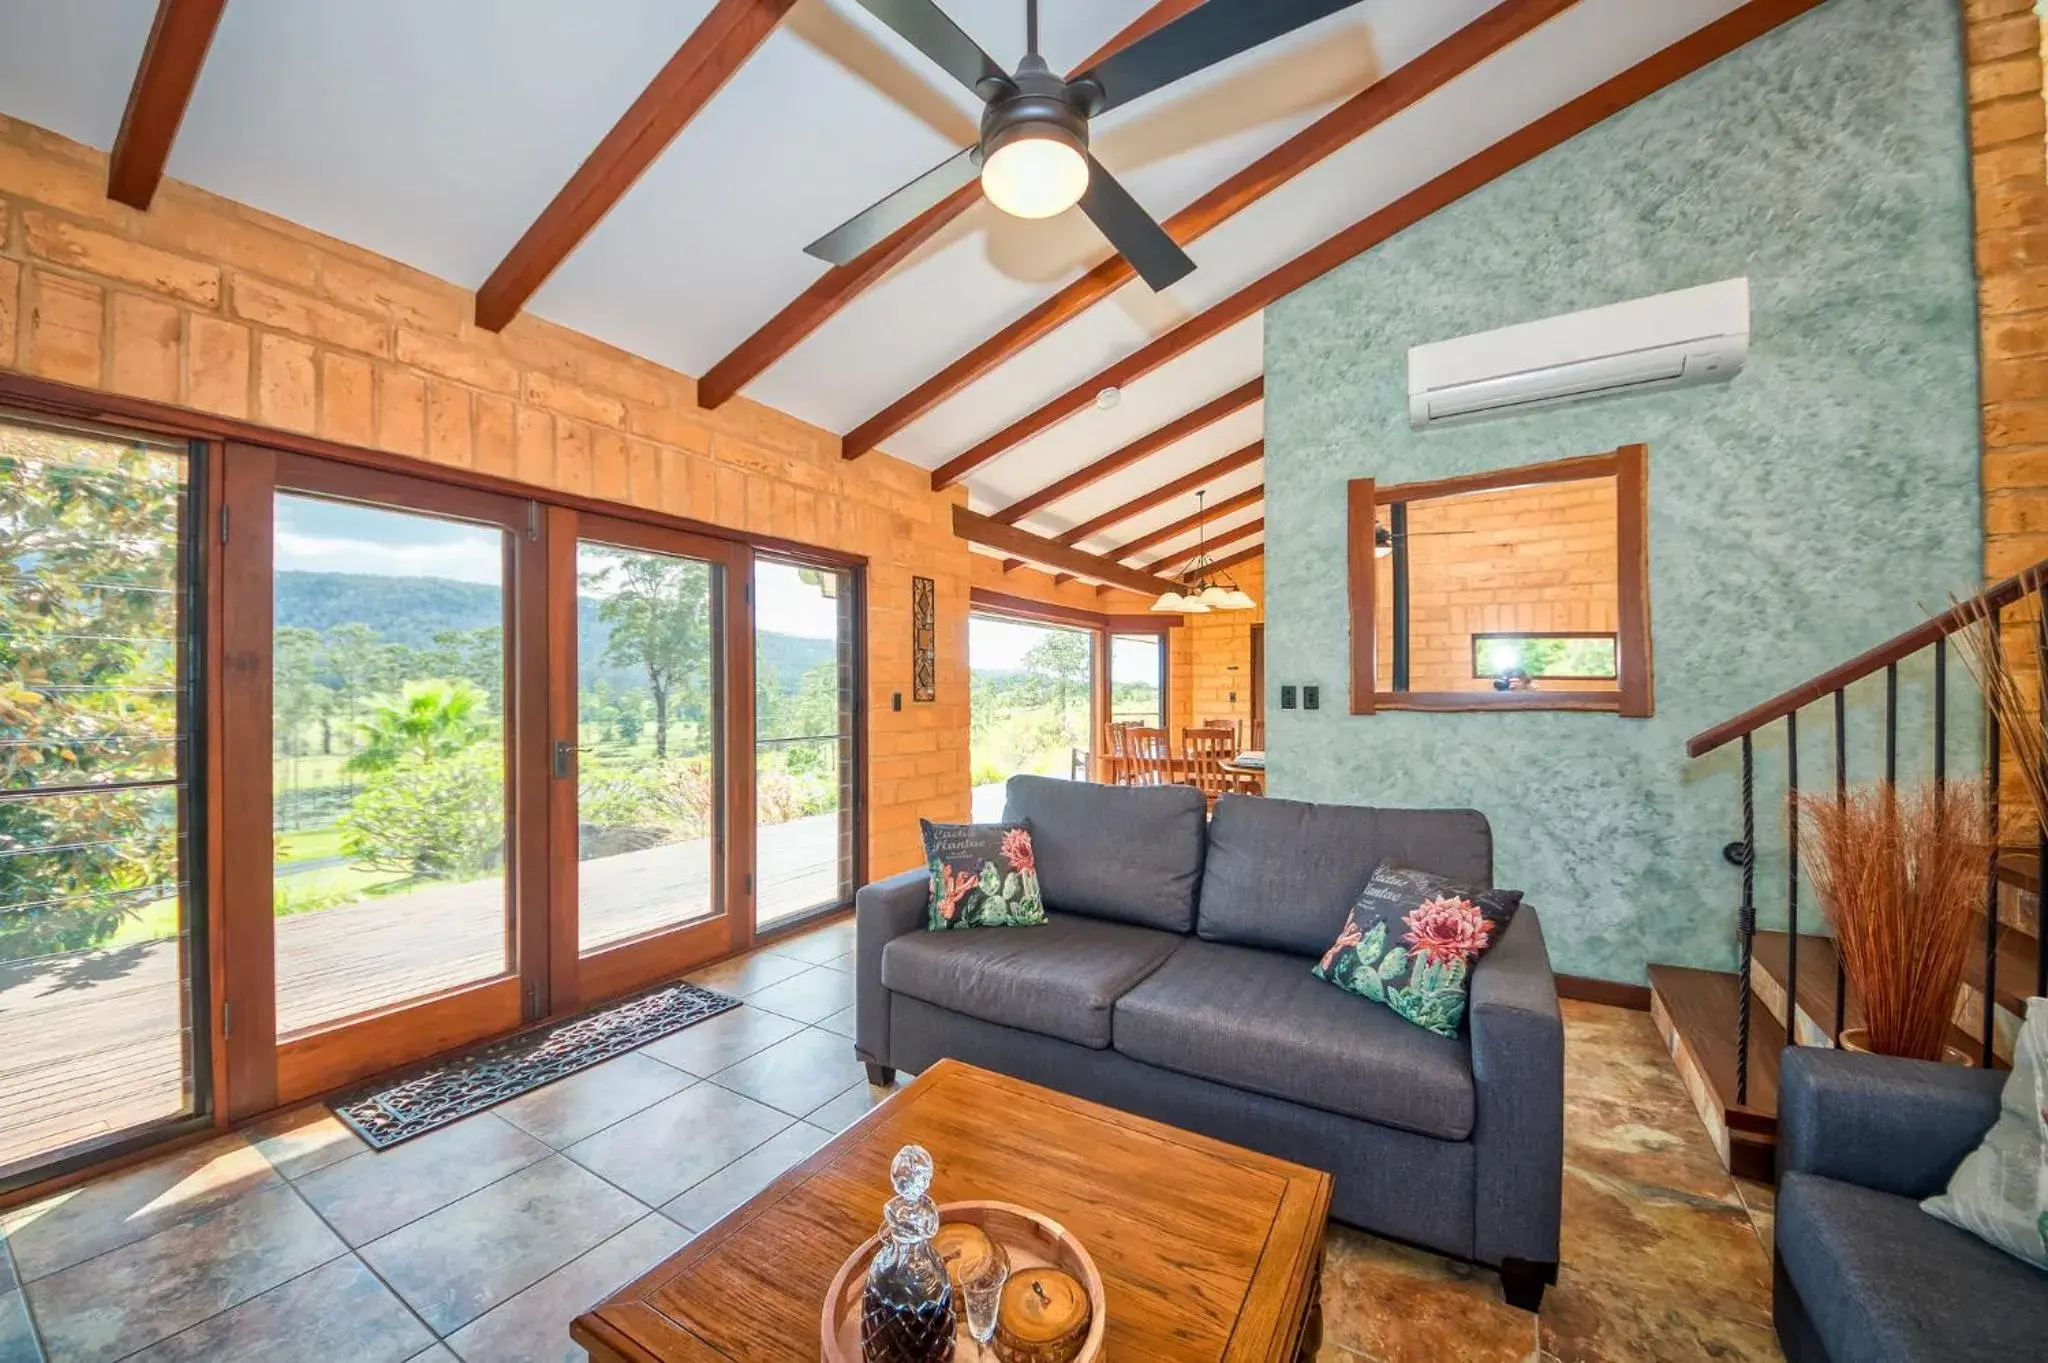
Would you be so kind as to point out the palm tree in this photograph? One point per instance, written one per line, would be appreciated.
(426, 720)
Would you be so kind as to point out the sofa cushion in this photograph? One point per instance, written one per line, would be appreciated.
(1282, 874)
(1132, 854)
(1410, 943)
(1058, 979)
(1259, 1020)
(984, 875)
(1881, 1279)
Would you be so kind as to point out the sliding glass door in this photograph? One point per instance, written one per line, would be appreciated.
(805, 734)
(102, 948)
(641, 717)
(311, 769)
(388, 757)
(378, 876)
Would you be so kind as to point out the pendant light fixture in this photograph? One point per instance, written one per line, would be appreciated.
(1201, 588)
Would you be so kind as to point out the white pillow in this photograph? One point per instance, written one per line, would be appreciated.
(2000, 1193)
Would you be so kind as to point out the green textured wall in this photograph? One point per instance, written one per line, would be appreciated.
(1824, 501)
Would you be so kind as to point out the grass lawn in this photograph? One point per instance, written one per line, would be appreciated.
(309, 844)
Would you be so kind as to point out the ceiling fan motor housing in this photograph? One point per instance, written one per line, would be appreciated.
(1037, 103)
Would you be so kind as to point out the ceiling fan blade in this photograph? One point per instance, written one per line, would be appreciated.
(1137, 236)
(1207, 34)
(925, 27)
(848, 240)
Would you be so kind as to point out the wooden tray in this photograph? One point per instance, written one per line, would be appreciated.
(1030, 1241)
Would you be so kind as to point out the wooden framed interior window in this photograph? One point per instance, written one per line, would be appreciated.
(1517, 589)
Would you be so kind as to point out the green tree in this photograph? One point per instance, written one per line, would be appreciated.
(431, 818)
(427, 720)
(298, 695)
(659, 610)
(89, 559)
(1059, 663)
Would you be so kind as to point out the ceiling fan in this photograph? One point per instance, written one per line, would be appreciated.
(1033, 158)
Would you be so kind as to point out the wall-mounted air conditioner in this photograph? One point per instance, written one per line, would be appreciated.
(1673, 340)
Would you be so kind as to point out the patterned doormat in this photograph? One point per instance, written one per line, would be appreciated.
(487, 1076)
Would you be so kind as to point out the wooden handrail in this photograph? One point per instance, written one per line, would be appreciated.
(1994, 598)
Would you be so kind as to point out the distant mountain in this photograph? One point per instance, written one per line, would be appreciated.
(412, 610)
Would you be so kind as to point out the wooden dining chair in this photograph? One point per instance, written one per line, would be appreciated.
(1206, 750)
(1151, 758)
(1116, 748)
(1230, 727)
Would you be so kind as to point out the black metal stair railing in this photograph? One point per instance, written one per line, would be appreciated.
(2029, 588)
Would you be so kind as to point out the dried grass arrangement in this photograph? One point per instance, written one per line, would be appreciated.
(1898, 874)
(2007, 692)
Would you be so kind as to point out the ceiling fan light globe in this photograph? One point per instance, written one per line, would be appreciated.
(1170, 601)
(1035, 175)
(1239, 600)
(1216, 598)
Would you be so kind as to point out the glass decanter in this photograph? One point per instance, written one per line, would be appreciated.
(906, 1310)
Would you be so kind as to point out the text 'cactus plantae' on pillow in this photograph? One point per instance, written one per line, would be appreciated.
(1411, 940)
(984, 875)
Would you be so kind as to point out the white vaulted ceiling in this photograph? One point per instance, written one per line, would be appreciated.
(436, 132)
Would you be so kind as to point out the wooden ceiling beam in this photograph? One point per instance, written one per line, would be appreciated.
(729, 35)
(834, 290)
(1178, 429)
(993, 534)
(1239, 559)
(1011, 565)
(1171, 565)
(1645, 78)
(1187, 482)
(178, 39)
(1229, 506)
(1360, 114)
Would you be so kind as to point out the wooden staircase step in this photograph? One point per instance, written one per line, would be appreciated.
(1695, 1010)
(1817, 976)
(2016, 964)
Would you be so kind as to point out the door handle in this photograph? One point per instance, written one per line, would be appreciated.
(565, 759)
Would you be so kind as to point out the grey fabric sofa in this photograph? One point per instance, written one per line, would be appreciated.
(1863, 1275)
(1172, 981)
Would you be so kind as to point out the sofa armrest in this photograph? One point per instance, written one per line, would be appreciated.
(882, 912)
(1898, 1126)
(1518, 1084)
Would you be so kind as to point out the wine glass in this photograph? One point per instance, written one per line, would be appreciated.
(981, 1290)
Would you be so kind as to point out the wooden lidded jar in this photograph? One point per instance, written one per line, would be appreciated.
(1043, 1318)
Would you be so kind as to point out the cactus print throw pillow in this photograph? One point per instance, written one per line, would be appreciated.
(984, 875)
(1410, 942)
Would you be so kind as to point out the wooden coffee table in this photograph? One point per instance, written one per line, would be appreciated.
(1207, 1251)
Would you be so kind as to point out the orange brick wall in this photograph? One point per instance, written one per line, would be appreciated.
(207, 304)
(1219, 658)
(1531, 560)
(2003, 47)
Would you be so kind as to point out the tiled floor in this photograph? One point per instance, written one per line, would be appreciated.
(293, 1241)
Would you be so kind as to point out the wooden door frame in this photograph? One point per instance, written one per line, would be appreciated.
(264, 1069)
(576, 979)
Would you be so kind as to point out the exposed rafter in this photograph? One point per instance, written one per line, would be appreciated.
(1011, 565)
(993, 534)
(1681, 59)
(1174, 563)
(707, 59)
(1360, 114)
(840, 285)
(1158, 496)
(178, 39)
(1228, 506)
(1239, 559)
(1174, 431)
